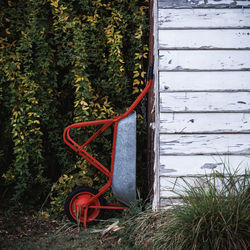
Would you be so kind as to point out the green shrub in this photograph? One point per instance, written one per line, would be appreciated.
(63, 62)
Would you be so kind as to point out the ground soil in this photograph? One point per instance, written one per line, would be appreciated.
(30, 230)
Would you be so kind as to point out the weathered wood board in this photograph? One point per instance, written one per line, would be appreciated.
(180, 184)
(204, 81)
(204, 39)
(188, 60)
(203, 18)
(201, 165)
(202, 58)
(166, 202)
(205, 102)
(202, 3)
(204, 144)
(204, 123)
(168, 185)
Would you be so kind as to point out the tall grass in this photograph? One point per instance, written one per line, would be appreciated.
(214, 215)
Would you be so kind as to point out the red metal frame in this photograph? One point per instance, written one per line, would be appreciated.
(81, 151)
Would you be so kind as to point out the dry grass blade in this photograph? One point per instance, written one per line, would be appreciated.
(112, 227)
(214, 215)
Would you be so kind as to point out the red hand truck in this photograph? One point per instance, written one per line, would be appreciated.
(85, 204)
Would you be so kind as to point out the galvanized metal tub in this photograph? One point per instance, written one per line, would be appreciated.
(124, 174)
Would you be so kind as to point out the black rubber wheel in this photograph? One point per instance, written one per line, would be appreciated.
(74, 205)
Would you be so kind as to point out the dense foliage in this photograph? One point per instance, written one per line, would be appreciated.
(63, 62)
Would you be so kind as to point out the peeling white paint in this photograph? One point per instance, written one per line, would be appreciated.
(171, 187)
(171, 144)
(205, 102)
(204, 60)
(203, 83)
(205, 39)
(204, 18)
(156, 184)
(203, 3)
(205, 123)
(152, 125)
(193, 165)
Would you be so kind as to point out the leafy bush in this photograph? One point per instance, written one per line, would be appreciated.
(63, 62)
(213, 215)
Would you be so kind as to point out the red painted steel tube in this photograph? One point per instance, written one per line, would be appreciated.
(107, 185)
(109, 207)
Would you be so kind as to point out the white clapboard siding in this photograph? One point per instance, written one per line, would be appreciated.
(204, 123)
(205, 102)
(200, 81)
(203, 3)
(180, 184)
(202, 164)
(207, 144)
(166, 202)
(204, 39)
(204, 60)
(204, 18)
(202, 89)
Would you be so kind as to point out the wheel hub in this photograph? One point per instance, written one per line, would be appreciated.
(78, 206)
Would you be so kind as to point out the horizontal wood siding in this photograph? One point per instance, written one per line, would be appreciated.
(204, 39)
(201, 165)
(204, 18)
(205, 144)
(171, 187)
(204, 81)
(192, 60)
(204, 90)
(205, 102)
(203, 3)
(204, 123)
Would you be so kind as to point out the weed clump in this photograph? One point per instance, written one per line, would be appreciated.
(213, 215)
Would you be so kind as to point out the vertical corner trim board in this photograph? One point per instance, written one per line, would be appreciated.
(202, 53)
(156, 185)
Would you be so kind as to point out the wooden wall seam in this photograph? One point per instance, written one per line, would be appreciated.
(204, 89)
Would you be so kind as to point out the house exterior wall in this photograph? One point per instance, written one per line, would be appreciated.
(202, 91)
